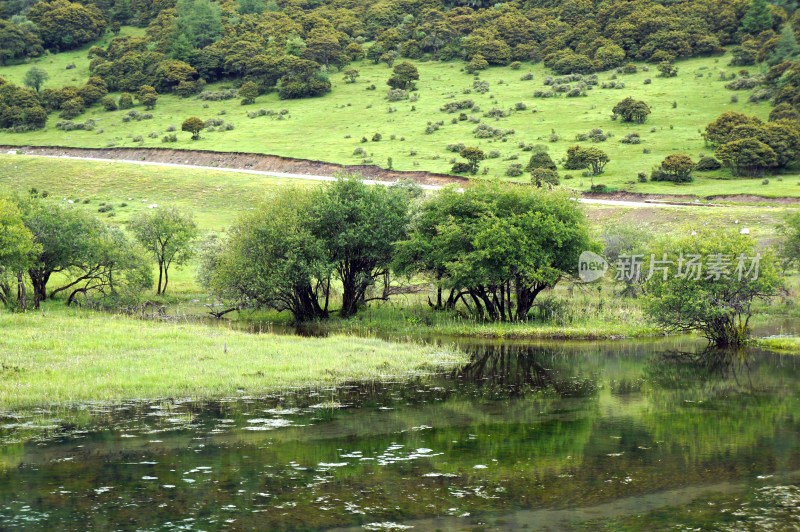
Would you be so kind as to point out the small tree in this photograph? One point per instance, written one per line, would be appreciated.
(403, 77)
(351, 75)
(194, 126)
(167, 235)
(125, 101)
(35, 78)
(147, 96)
(790, 247)
(248, 92)
(474, 156)
(579, 157)
(748, 157)
(678, 165)
(715, 301)
(631, 110)
(540, 159)
(478, 62)
(667, 70)
(544, 176)
(17, 248)
(757, 18)
(109, 103)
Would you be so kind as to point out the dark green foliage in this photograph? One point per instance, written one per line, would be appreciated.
(20, 108)
(544, 176)
(403, 77)
(35, 78)
(757, 18)
(631, 110)
(248, 92)
(706, 164)
(540, 159)
(64, 25)
(494, 248)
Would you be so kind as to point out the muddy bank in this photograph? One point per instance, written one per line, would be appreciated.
(693, 198)
(241, 161)
(274, 163)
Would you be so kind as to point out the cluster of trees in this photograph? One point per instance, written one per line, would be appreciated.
(275, 44)
(489, 250)
(20, 108)
(93, 262)
(750, 147)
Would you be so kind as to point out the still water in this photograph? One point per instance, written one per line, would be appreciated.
(572, 436)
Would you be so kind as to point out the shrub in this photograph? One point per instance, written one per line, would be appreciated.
(214, 96)
(460, 168)
(170, 138)
(706, 164)
(527, 77)
(452, 107)
(109, 103)
(544, 176)
(396, 95)
(457, 148)
(514, 170)
(376, 137)
(515, 65)
(631, 138)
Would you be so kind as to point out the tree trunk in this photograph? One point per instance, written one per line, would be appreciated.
(160, 273)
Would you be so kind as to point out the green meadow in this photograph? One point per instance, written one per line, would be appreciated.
(331, 128)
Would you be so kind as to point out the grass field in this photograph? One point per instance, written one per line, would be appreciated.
(331, 127)
(73, 356)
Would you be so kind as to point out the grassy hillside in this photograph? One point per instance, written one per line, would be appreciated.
(330, 128)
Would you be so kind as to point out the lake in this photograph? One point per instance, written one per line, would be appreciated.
(627, 435)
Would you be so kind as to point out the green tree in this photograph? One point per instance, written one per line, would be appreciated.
(403, 76)
(540, 159)
(125, 101)
(748, 157)
(147, 96)
(194, 126)
(544, 176)
(790, 245)
(630, 110)
(474, 156)
(495, 247)
(716, 301)
(199, 20)
(272, 260)
(350, 76)
(358, 225)
(757, 18)
(678, 165)
(17, 248)
(579, 157)
(667, 69)
(35, 78)
(167, 235)
(478, 62)
(248, 92)
(786, 49)
(251, 7)
(64, 25)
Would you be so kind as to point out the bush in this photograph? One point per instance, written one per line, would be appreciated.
(514, 170)
(515, 65)
(214, 96)
(527, 77)
(109, 103)
(396, 95)
(706, 164)
(631, 138)
(460, 168)
(170, 138)
(376, 137)
(544, 176)
(452, 107)
(457, 148)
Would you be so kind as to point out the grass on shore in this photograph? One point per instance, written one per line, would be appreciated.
(789, 345)
(681, 108)
(76, 356)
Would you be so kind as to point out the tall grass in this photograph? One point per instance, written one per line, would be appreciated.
(74, 356)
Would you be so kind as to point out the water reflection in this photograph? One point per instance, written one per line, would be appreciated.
(539, 435)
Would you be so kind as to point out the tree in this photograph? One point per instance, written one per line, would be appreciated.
(358, 225)
(199, 20)
(109, 103)
(17, 248)
(667, 69)
(678, 165)
(65, 238)
(147, 96)
(579, 157)
(248, 92)
(125, 101)
(35, 78)
(748, 157)
(757, 18)
(64, 25)
(495, 247)
(251, 7)
(272, 260)
(478, 62)
(403, 77)
(544, 176)
(540, 159)
(194, 126)
(631, 110)
(719, 131)
(350, 76)
(786, 49)
(790, 246)
(474, 156)
(167, 235)
(713, 300)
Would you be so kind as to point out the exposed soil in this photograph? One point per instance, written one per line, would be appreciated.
(237, 160)
(274, 163)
